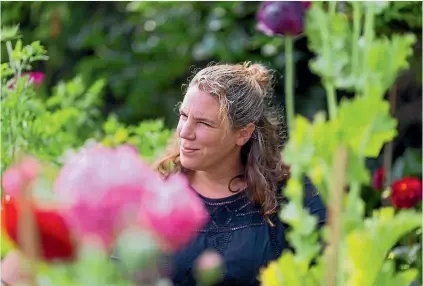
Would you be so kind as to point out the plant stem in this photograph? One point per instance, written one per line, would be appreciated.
(368, 38)
(28, 235)
(331, 95)
(387, 153)
(10, 54)
(332, 7)
(356, 37)
(335, 215)
(289, 82)
(328, 81)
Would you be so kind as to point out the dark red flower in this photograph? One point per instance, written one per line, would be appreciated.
(406, 193)
(378, 177)
(282, 18)
(55, 237)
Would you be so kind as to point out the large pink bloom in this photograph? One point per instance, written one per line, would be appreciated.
(102, 188)
(173, 212)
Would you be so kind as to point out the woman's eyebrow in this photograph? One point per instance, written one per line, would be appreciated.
(181, 111)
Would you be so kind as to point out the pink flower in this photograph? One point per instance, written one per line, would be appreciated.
(36, 77)
(102, 188)
(407, 192)
(20, 175)
(378, 178)
(173, 212)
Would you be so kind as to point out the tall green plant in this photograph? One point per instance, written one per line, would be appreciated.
(332, 153)
(39, 126)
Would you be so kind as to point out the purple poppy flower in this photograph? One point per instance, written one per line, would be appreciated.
(282, 18)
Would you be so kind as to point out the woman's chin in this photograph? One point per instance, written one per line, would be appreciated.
(190, 164)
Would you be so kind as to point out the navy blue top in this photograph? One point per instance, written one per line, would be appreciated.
(238, 231)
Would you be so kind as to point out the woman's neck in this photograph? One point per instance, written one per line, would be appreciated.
(215, 183)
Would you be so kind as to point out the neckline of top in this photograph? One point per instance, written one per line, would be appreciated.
(225, 200)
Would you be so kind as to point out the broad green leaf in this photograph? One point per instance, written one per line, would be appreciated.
(365, 124)
(356, 169)
(375, 239)
(386, 58)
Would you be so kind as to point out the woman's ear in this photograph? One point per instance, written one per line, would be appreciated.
(245, 134)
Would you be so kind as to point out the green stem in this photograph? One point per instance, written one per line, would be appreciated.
(368, 25)
(331, 95)
(328, 81)
(332, 8)
(289, 82)
(356, 37)
(368, 38)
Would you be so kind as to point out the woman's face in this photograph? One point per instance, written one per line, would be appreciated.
(205, 142)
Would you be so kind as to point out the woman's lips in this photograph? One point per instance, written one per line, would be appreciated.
(187, 150)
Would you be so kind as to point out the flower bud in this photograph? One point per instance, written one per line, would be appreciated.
(282, 18)
(209, 268)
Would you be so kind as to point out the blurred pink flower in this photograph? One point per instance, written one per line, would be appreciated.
(102, 188)
(20, 175)
(36, 77)
(173, 212)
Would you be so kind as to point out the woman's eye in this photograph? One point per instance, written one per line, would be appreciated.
(204, 123)
(183, 116)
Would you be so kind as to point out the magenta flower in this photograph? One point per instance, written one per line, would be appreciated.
(173, 212)
(37, 78)
(282, 18)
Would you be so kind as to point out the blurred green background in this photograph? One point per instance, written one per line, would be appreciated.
(145, 51)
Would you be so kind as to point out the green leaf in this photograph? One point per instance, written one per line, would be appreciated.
(387, 58)
(288, 266)
(375, 239)
(9, 33)
(366, 125)
(299, 149)
(356, 169)
(388, 277)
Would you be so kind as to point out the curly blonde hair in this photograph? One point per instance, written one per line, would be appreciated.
(244, 92)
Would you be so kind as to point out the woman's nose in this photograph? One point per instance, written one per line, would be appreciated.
(187, 130)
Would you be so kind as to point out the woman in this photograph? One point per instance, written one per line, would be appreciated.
(229, 146)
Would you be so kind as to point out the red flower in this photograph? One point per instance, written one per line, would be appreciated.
(377, 180)
(282, 18)
(55, 237)
(406, 193)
